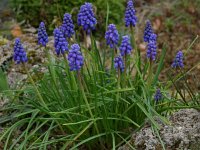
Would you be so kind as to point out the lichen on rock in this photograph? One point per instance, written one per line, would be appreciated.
(183, 133)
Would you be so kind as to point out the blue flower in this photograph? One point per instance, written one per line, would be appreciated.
(86, 18)
(152, 47)
(153, 38)
(158, 95)
(147, 31)
(67, 26)
(75, 58)
(130, 17)
(112, 36)
(125, 48)
(178, 61)
(118, 63)
(60, 43)
(42, 35)
(19, 52)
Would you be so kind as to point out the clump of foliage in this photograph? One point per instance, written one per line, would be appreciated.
(51, 11)
(83, 101)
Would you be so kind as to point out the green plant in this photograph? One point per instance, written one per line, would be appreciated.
(3, 80)
(93, 107)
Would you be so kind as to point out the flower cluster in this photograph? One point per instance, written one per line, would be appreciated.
(153, 38)
(112, 36)
(118, 63)
(178, 61)
(130, 17)
(86, 18)
(152, 47)
(19, 52)
(158, 95)
(67, 26)
(125, 47)
(147, 31)
(60, 42)
(75, 58)
(42, 35)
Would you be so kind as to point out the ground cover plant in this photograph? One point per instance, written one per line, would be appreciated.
(90, 97)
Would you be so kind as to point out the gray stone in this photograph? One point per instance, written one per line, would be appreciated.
(183, 133)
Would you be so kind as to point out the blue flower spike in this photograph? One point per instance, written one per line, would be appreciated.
(75, 58)
(20, 55)
(147, 31)
(112, 36)
(158, 95)
(42, 35)
(152, 47)
(119, 64)
(125, 47)
(60, 43)
(178, 61)
(130, 15)
(86, 18)
(67, 26)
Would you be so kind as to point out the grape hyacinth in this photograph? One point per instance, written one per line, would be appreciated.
(86, 18)
(19, 52)
(42, 35)
(125, 48)
(153, 37)
(152, 48)
(118, 63)
(75, 58)
(130, 17)
(60, 43)
(147, 31)
(178, 61)
(158, 95)
(67, 26)
(112, 36)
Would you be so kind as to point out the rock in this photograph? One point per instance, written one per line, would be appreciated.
(183, 133)
(16, 78)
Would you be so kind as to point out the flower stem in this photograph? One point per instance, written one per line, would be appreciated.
(136, 49)
(118, 87)
(150, 74)
(70, 74)
(86, 100)
(36, 89)
(85, 39)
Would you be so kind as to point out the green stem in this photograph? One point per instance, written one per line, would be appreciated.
(36, 89)
(118, 95)
(150, 75)
(85, 39)
(136, 49)
(70, 74)
(187, 86)
(118, 87)
(114, 53)
(125, 67)
(52, 72)
(86, 101)
(51, 69)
